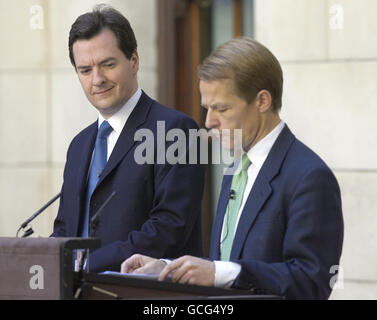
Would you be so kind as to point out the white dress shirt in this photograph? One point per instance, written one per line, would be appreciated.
(118, 120)
(226, 271)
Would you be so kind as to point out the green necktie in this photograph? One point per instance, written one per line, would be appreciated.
(234, 204)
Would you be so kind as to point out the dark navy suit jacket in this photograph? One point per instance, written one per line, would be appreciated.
(156, 209)
(290, 231)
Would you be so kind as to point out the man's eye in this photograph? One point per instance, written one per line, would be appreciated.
(84, 71)
(109, 65)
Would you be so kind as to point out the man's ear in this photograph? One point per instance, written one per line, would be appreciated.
(135, 62)
(264, 100)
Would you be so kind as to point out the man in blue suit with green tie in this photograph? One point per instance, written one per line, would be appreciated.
(279, 226)
(157, 204)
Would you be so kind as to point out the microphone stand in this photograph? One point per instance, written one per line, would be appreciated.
(93, 224)
(36, 214)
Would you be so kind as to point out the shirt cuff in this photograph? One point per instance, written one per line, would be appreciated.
(225, 273)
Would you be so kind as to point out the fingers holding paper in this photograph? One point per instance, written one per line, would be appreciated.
(190, 270)
(186, 269)
(142, 264)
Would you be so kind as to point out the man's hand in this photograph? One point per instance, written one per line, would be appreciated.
(142, 264)
(190, 270)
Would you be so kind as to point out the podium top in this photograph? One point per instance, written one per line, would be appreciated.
(49, 243)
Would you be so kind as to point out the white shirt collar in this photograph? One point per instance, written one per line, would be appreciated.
(119, 119)
(258, 154)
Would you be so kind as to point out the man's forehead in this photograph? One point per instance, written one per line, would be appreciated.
(215, 92)
(98, 48)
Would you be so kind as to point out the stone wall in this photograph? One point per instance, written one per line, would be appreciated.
(328, 51)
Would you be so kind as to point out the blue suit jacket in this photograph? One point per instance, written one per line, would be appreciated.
(156, 209)
(290, 232)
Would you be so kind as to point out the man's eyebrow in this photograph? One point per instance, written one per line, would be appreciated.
(107, 60)
(216, 106)
(83, 67)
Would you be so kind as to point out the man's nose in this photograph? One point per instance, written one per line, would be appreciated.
(211, 120)
(98, 77)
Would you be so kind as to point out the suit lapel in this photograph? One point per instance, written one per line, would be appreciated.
(261, 189)
(126, 138)
(257, 197)
(84, 158)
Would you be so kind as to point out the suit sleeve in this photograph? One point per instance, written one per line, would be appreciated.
(312, 243)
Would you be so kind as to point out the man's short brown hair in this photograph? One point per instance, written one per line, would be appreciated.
(252, 66)
(103, 16)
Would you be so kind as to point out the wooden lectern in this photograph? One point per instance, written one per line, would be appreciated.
(39, 268)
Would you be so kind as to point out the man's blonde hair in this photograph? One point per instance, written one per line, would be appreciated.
(251, 65)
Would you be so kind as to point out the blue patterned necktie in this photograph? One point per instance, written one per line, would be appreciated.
(232, 211)
(98, 163)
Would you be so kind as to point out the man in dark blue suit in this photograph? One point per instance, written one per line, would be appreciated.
(279, 225)
(157, 205)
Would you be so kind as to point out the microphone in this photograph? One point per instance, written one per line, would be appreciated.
(36, 214)
(232, 194)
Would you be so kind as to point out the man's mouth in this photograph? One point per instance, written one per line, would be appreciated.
(102, 91)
